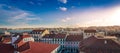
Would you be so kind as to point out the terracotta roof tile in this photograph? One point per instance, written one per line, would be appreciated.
(23, 47)
(6, 40)
(21, 38)
(90, 31)
(29, 47)
(74, 38)
(0, 38)
(35, 47)
(93, 42)
(59, 36)
(25, 36)
(6, 48)
(18, 40)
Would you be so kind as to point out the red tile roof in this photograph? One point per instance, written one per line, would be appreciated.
(99, 43)
(21, 38)
(58, 36)
(0, 38)
(74, 38)
(25, 36)
(90, 31)
(35, 47)
(6, 40)
(29, 47)
(18, 40)
(23, 47)
(6, 48)
(88, 41)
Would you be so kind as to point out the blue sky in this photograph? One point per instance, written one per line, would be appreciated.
(59, 13)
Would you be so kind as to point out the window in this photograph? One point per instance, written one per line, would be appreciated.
(56, 39)
(24, 39)
(62, 40)
(68, 42)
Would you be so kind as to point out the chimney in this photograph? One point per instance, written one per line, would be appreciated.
(25, 33)
(105, 41)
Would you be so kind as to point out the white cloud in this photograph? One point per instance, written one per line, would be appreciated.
(17, 17)
(20, 16)
(31, 2)
(63, 8)
(66, 19)
(22, 19)
(63, 1)
(93, 17)
(86, 17)
(39, 4)
(72, 6)
(6, 6)
(24, 16)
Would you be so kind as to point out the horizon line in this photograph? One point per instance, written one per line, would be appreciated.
(60, 26)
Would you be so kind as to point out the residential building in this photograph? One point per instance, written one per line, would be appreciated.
(6, 39)
(7, 33)
(21, 39)
(6, 48)
(37, 47)
(101, 33)
(54, 38)
(25, 44)
(75, 32)
(72, 43)
(89, 32)
(37, 34)
(0, 38)
(29, 47)
(100, 44)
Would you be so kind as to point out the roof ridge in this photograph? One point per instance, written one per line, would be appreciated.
(28, 47)
(116, 41)
(94, 41)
